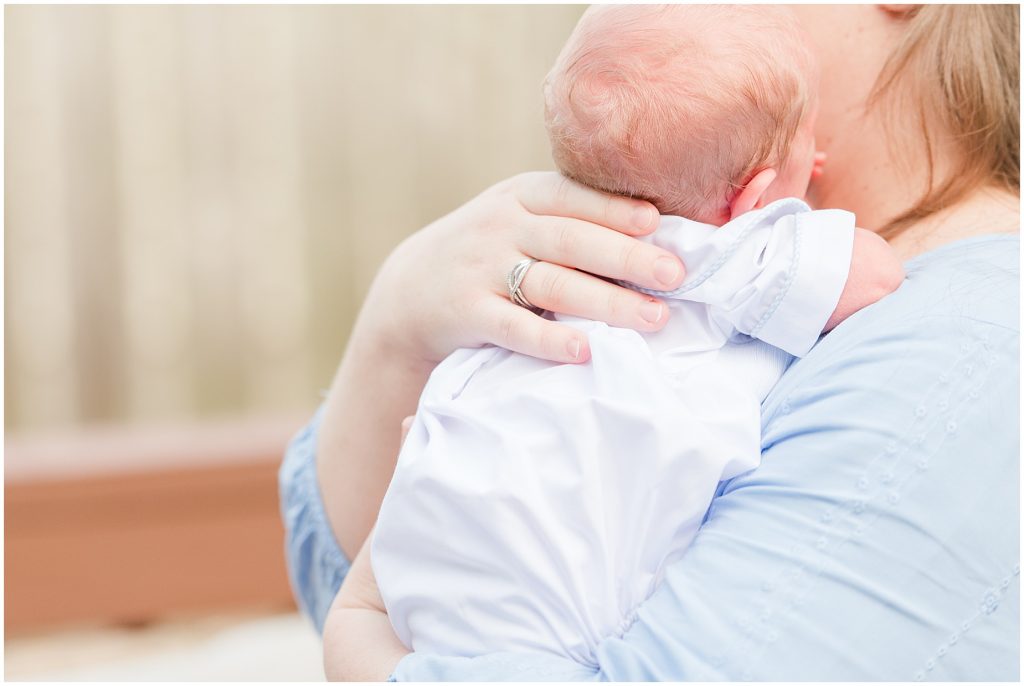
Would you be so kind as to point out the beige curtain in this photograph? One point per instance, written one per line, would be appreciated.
(198, 197)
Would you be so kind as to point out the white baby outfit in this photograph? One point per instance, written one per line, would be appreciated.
(535, 505)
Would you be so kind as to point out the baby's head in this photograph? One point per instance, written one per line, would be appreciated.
(706, 111)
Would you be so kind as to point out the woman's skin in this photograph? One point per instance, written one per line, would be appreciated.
(871, 171)
(415, 314)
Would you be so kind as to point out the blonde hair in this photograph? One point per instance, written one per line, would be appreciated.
(678, 105)
(958, 66)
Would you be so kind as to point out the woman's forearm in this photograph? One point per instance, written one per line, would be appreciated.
(359, 643)
(377, 384)
(358, 442)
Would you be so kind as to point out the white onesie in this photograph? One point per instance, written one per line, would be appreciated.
(535, 504)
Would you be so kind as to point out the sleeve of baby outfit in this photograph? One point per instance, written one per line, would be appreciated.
(807, 295)
(879, 539)
(775, 274)
(316, 564)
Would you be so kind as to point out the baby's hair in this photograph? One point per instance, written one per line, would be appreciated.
(677, 104)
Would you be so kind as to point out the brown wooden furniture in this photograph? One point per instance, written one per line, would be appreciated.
(131, 525)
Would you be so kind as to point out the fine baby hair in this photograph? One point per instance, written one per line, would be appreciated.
(678, 104)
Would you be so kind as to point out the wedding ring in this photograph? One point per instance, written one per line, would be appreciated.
(514, 281)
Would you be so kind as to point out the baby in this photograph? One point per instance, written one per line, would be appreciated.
(535, 505)
(687, 107)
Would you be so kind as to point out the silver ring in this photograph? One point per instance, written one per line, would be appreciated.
(514, 281)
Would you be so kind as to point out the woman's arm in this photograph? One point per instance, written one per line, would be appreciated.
(444, 288)
(359, 643)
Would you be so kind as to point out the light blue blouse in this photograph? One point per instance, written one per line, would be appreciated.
(878, 540)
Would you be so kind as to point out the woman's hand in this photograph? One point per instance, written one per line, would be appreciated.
(444, 287)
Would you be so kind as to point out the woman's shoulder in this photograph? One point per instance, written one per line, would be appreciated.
(975, 279)
(962, 297)
(887, 491)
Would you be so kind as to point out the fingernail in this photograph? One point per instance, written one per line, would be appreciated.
(652, 311)
(642, 217)
(666, 270)
(574, 348)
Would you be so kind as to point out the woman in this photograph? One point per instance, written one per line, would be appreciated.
(879, 538)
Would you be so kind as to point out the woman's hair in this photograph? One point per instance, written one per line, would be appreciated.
(959, 66)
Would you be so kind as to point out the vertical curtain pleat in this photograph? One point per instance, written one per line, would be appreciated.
(197, 197)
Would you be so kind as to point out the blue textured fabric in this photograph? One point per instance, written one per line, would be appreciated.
(879, 539)
(316, 565)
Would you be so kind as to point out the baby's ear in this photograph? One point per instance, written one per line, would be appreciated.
(752, 195)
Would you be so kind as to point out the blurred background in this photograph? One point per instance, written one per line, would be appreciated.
(196, 201)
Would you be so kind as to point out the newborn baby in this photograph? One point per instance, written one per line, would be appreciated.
(535, 505)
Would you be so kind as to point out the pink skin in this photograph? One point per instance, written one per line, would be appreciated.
(863, 175)
(789, 180)
(793, 177)
(799, 168)
(877, 163)
(875, 270)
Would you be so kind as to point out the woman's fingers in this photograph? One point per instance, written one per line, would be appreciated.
(556, 288)
(542, 215)
(559, 289)
(583, 245)
(520, 330)
(551, 194)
